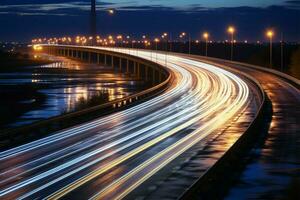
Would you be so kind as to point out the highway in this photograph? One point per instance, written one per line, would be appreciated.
(277, 158)
(109, 157)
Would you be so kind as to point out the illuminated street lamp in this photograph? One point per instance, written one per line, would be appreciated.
(270, 35)
(231, 31)
(206, 36)
(182, 35)
(120, 39)
(156, 40)
(111, 11)
(145, 41)
(165, 36)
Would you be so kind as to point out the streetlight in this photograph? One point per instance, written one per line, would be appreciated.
(182, 35)
(111, 11)
(270, 35)
(165, 36)
(120, 39)
(206, 36)
(127, 44)
(156, 40)
(231, 31)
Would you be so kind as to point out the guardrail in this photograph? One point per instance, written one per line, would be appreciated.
(290, 79)
(17, 136)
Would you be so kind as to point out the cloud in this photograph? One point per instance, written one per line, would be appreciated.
(294, 2)
(40, 18)
(38, 7)
(49, 8)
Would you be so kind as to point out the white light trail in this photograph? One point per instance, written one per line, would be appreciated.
(201, 95)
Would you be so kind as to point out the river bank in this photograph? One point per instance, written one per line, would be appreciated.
(34, 93)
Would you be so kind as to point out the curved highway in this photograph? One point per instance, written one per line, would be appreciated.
(111, 156)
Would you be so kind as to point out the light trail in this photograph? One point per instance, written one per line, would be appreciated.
(202, 96)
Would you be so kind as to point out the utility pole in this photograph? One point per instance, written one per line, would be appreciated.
(93, 18)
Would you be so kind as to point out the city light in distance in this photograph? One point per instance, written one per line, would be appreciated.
(205, 35)
(231, 30)
(111, 11)
(270, 33)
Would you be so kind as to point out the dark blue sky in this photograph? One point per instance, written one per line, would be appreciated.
(22, 20)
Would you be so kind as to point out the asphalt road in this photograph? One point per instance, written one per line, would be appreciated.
(111, 156)
(273, 170)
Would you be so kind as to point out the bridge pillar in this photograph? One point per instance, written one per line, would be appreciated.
(112, 61)
(98, 58)
(76, 51)
(138, 70)
(89, 57)
(146, 72)
(159, 76)
(81, 55)
(120, 64)
(105, 59)
(134, 68)
(153, 76)
(127, 67)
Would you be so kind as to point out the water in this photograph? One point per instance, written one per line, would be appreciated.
(41, 92)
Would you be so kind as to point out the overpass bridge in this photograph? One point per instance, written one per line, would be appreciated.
(169, 146)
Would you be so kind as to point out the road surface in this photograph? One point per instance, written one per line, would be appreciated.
(111, 156)
(275, 161)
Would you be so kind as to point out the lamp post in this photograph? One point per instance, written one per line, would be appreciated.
(144, 40)
(182, 35)
(165, 36)
(270, 35)
(231, 31)
(206, 36)
(156, 40)
(120, 39)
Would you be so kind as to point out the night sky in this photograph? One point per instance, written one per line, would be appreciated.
(22, 20)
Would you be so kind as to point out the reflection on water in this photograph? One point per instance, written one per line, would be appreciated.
(50, 90)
